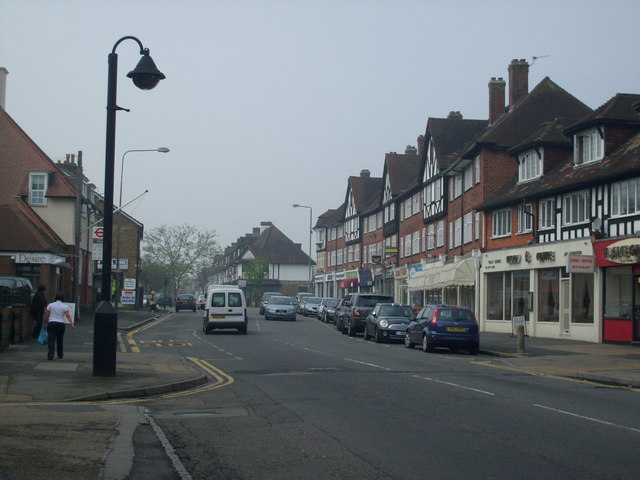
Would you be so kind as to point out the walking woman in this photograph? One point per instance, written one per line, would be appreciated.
(55, 318)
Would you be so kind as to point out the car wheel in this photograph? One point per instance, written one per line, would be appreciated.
(351, 331)
(243, 330)
(474, 350)
(378, 336)
(194, 310)
(366, 333)
(407, 341)
(427, 345)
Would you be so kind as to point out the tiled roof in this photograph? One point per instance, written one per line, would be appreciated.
(331, 217)
(619, 110)
(23, 230)
(367, 192)
(275, 246)
(544, 103)
(18, 156)
(403, 171)
(550, 133)
(621, 164)
(452, 136)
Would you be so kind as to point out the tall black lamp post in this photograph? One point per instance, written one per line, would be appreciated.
(145, 76)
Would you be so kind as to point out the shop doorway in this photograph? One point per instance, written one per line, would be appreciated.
(636, 308)
(565, 306)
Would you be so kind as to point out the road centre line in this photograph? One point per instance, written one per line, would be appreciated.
(454, 385)
(591, 419)
(368, 364)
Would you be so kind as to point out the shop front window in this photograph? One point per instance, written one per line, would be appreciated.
(618, 294)
(549, 295)
(433, 297)
(495, 292)
(521, 293)
(582, 298)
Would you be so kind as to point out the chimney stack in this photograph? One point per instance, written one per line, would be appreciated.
(3, 87)
(410, 150)
(420, 144)
(455, 115)
(496, 98)
(365, 173)
(518, 80)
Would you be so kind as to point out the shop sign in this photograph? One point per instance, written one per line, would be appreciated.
(329, 277)
(402, 271)
(390, 251)
(415, 269)
(129, 283)
(128, 297)
(549, 256)
(624, 251)
(38, 258)
(514, 259)
(580, 264)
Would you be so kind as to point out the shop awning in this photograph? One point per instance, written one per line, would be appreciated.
(423, 279)
(347, 283)
(457, 273)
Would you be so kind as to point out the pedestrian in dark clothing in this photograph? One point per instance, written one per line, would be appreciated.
(38, 305)
(55, 318)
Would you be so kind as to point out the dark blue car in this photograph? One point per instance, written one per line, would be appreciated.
(444, 326)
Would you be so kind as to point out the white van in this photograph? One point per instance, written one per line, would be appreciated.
(225, 307)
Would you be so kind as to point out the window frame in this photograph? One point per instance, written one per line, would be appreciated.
(42, 192)
(504, 217)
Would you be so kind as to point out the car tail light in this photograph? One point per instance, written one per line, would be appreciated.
(207, 313)
(434, 318)
(357, 313)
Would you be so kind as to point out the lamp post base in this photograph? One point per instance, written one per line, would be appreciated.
(105, 339)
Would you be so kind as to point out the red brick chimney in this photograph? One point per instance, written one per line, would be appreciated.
(496, 98)
(518, 80)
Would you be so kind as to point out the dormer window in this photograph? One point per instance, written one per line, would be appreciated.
(38, 183)
(588, 146)
(530, 164)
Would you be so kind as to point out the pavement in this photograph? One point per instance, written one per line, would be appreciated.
(27, 376)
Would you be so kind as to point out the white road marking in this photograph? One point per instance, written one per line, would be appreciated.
(591, 419)
(368, 364)
(454, 385)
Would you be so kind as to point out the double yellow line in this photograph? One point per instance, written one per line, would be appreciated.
(221, 379)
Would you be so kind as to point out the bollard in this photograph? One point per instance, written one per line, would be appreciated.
(520, 336)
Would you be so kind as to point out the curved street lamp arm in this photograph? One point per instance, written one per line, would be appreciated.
(131, 37)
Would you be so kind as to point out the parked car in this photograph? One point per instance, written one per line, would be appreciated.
(330, 309)
(201, 301)
(300, 300)
(280, 307)
(185, 302)
(226, 307)
(311, 305)
(265, 298)
(322, 306)
(15, 290)
(444, 326)
(388, 322)
(355, 309)
(165, 300)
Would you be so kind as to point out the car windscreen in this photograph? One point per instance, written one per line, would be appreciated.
(333, 302)
(281, 301)
(395, 311)
(313, 299)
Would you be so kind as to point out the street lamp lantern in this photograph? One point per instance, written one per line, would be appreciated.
(297, 205)
(144, 76)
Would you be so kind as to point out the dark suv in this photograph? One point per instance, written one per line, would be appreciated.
(354, 309)
(444, 326)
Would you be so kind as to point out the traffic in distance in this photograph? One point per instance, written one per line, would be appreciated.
(375, 316)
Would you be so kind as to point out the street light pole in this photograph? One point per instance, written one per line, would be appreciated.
(145, 76)
(296, 205)
(119, 210)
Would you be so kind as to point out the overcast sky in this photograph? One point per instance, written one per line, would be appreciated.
(269, 103)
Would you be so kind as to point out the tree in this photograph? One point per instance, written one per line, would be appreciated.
(255, 272)
(178, 251)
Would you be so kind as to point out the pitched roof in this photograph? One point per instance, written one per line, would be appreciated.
(549, 134)
(367, 192)
(20, 155)
(331, 217)
(619, 110)
(452, 136)
(621, 164)
(23, 230)
(275, 246)
(544, 103)
(403, 171)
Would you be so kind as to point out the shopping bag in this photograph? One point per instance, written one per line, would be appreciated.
(43, 338)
